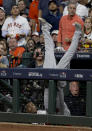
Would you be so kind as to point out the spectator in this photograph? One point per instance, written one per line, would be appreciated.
(39, 84)
(27, 58)
(33, 13)
(36, 38)
(86, 40)
(54, 34)
(4, 43)
(41, 40)
(54, 15)
(66, 26)
(30, 46)
(33, 26)
(22, 7)
(15, 52)
(39, 57)
(81, 10)
(7, 4)
(16, 26)
(27, 3)
(3, 56)
(75, 102)
(2, 19)
(43, 8)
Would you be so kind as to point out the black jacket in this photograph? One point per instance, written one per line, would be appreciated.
(76, 104)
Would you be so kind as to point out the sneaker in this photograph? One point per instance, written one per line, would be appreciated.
(44, 22)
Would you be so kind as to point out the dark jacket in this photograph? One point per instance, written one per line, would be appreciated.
(76, 105)
(54, 19)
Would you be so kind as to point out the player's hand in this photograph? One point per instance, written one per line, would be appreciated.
(67, 40)
(77, 26)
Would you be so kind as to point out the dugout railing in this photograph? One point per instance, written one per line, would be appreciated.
(52, 75)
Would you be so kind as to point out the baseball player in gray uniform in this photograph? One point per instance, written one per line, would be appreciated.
(16, 26)
(50, 61)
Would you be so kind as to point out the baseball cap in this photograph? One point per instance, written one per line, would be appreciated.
(54, 1)
(54, 32)
(2, 9)
(35, 33)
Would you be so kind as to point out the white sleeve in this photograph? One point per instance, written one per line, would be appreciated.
(4, 33)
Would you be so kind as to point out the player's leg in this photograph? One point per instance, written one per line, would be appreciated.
(49, 61)
(65, 60)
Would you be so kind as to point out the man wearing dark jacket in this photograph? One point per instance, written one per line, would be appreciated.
(75, 101)
(54, 15)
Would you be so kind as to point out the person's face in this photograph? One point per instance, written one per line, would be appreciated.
(52, 6)
(2, 49)
(15, 11)
(3, 43)
(90, 14)
(30, 22)
(21, 5)
(72, 9)
(40, 54)
(87, 23)
(30, 45)
(2, 14)
(12, 43)
(35, 38)
(54, 37)
(74, 88)
(41, 38)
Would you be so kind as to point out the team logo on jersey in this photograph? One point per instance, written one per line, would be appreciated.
(14, 24)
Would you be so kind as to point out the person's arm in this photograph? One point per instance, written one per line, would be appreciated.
(49, 60)
(40, 8)
(40, 13)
